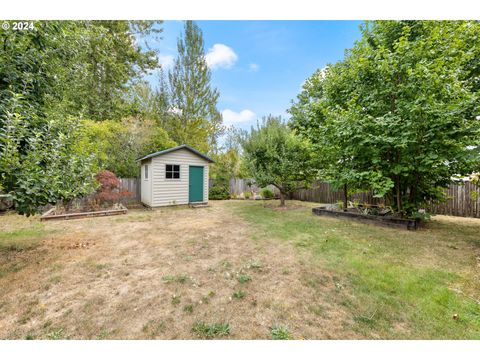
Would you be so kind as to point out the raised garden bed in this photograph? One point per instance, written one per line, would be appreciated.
(55, 214)
(410, 224)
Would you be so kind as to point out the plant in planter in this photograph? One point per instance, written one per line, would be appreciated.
(110, 190)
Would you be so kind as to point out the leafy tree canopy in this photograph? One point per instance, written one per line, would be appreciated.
(399, 113)
(274, 155)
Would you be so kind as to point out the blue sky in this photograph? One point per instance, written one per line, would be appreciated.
(259, 66)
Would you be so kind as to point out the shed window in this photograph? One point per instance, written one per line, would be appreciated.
(172, 172)
(146, 172)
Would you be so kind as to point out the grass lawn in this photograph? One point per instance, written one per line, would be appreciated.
(395, 283)
(237, 270)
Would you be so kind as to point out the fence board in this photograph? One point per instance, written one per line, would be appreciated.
(461, 199)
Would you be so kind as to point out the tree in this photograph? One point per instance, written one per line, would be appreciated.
(79, 68)
(39, 166)
(117, 145)
(193, 101)
(400, 110)
(110, 188)
(275, 155)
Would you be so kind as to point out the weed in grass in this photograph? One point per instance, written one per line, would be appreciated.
(104, 334)
(318, 310)
(55, 279)
(280, 332)
(244, 278)
(209, 331)
(56, 334)
(153, 328)
(182, 278)
(226, 264)
(188, 308)
(240, 294)
(30, 337)
(168, 278)
(338, 286)
(254, 264)
(175, 299)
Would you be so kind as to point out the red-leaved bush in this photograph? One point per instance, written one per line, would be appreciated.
(111, 189)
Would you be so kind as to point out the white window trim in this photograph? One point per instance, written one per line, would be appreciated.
(146, 172)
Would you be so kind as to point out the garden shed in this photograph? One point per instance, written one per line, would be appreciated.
(174, 176)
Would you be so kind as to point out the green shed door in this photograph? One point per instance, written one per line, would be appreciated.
(195, 184)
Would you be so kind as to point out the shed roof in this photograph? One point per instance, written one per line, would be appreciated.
(166, 151)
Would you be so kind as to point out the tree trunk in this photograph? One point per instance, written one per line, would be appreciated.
(282, 199)
(345, 197)
(399, 194)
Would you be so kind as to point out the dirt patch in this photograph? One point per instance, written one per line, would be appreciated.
(154, 274)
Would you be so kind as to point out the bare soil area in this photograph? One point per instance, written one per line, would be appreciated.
(154, 274)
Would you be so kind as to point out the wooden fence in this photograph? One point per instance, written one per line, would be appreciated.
(323, 192)
(133, 187)
(461, 199)
(238, 186)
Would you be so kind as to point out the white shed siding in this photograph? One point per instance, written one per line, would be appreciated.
(175, 191)
(146, 184)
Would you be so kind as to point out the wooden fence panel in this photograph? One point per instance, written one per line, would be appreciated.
(462, 199)
(238, 186)
(133, 187)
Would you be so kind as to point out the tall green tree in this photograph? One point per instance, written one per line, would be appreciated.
(400, 110)
(116, 145)
(274, 155)
(79, 68)
(193, 101)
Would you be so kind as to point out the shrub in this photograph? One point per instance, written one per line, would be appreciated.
(219, 192)
(266, 193)
(111, 189)
(247, 194)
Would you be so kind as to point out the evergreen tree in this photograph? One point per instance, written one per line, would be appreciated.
(195, 118)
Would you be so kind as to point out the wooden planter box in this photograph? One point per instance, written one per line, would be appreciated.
(410, 224)
(49, 216)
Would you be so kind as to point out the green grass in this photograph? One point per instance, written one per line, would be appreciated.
(393, 283)
(22, 239)
(209, 331)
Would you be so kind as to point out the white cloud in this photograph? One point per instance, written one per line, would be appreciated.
(220, 56)
(166, 61)
(254, 67)
(231, 117)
